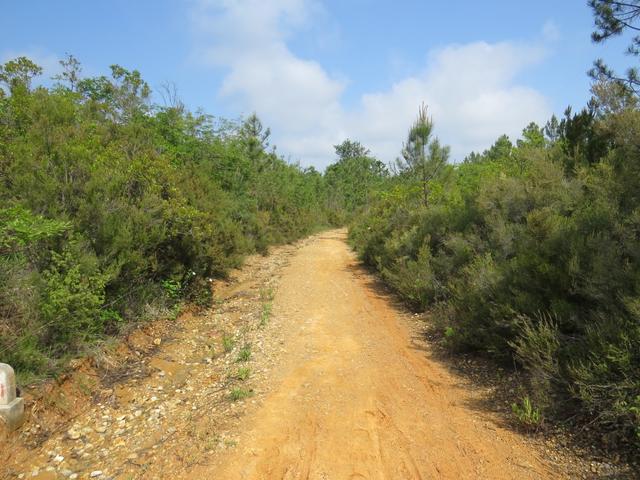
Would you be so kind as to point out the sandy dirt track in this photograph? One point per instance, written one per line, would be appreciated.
(355, 397)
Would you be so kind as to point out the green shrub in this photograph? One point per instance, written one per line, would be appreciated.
(173, 288)
(530, 254)
(537, 347)
(25, 353)
(115, 210)
(73, 294)
(528, 415)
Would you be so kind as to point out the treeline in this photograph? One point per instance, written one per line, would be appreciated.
(528, 252)
(113, 209)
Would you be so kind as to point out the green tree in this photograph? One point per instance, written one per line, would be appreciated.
(612, 18)
(422, 156)
(351, 149)
(71, 72)
(532, 136)
(552, 130)
(123, 96)
(254, 137)
(501, 149)
(353, 179)
(18, 74)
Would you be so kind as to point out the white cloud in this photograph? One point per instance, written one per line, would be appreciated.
(471, 95)
(472, 89)
(296, 97)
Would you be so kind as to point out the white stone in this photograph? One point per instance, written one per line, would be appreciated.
(96, 473)
(11, 406)
(7, 384)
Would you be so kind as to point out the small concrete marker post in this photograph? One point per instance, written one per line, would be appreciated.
(11, 407)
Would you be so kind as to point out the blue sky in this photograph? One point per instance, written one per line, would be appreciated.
(320, 71)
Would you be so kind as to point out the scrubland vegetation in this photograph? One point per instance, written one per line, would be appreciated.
(113, 210)
(529, 252)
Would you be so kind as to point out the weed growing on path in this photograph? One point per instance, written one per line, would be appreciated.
(245, 354)
(227, 342)
(240, 394)
(243, 373)
(266, 313)
(267, 294)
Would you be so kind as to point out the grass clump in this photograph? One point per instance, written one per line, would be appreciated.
(266, 313)
(527, 414)
(243, 373)
(245, 354)
(228, 342)
(240, 394)
(267, 294)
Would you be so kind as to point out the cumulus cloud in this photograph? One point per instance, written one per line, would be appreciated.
(472, 90)
(471, 94)
(295, 96)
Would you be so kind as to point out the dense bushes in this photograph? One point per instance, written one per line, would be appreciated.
(532, 252)
(113, 209)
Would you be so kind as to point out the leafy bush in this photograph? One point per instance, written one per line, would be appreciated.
(537, 347)
(114, 209)
(72, 297)
(530, 253)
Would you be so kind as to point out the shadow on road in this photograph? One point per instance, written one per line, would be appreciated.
(494, 387)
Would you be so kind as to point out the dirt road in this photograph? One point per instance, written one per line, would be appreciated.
(303, 369)
(355, 399)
